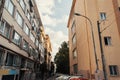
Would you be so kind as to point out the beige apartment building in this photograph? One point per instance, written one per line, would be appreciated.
(89, 57)
(21, 44)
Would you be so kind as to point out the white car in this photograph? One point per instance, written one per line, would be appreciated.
(62, 77)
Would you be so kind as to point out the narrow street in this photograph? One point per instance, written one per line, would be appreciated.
(70, 39)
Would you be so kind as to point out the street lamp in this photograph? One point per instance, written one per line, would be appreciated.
(101, 48)
(77, 14)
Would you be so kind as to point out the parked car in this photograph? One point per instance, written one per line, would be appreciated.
(62, 77)
(77, 78)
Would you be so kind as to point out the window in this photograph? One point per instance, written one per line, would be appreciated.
(74, 53)
(37, 44)
(5, 29)
(102, 16)
(10, 60)
(73, 27)
(25, 45)
(1, 56)
(30, 64)
(107, 40)
(13, 60)
(16, 38)
(74, 39)
(22, 4)
(16, 61)
(113, 70)
(23, 62)
(9, 6)
(19, 19)
(30, 50)
(26, 29)
(2, 26)
(28, 15)
(75, 68)
(34, 26)
(32, 37)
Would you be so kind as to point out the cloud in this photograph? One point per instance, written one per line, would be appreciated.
(56, 37)
(47, 12)
(53, 22)
(47, 6)
(59, 1)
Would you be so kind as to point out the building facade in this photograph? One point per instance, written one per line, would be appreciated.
(86, 57)
(21, 48)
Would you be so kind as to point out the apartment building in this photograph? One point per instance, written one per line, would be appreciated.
(21, 48)
(92, 56)
(47, 48)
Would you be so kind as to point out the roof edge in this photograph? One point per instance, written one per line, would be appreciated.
(70, 15)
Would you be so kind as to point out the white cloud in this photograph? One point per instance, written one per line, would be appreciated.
(46, 7)
(51, 21)
(56, 39)
(59, 1)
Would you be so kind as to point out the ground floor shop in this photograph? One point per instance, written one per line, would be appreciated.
(15, 67)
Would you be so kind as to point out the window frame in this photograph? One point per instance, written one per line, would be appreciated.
(6, 29)
(114, 69)
(32, 37)
(75, 68)
(18, 17)
(19, 38)
(26, 49)
(21, 5)
(26, 27)
(107, 40)
(73, 27)
(74, 53)
(7, 6)
(103, 16)
(74, 39)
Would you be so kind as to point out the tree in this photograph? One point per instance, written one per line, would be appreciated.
(62, 59)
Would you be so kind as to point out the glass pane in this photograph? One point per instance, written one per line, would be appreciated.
(7, 3)
(26, 29)
(16, 38)
(22, 4)
(32, 37)
(25, 45)
(7, 30)
(9, 60)
(19, 19)
(11, 8)
(2, 23)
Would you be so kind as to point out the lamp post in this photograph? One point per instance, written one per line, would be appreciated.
(93, 39)
(101, 49)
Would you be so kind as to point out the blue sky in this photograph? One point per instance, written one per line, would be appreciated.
(54, 15)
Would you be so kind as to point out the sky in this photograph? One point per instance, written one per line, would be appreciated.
(54, 15)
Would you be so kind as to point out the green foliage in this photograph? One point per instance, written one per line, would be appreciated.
(62, 59)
